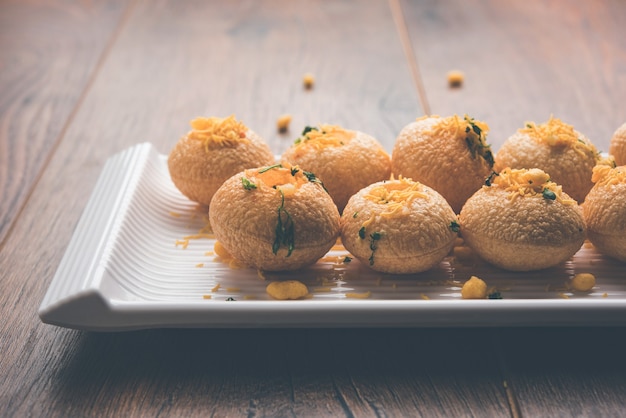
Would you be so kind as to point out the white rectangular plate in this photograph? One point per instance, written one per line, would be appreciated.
(127, 267)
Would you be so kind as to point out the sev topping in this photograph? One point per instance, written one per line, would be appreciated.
(472, 131)
(556, 133)
(325, 136)
(396, 197)
(604, 175)
(529, 183)
(283, 177)
(218, 132)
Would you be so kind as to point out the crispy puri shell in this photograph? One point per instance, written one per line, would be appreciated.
(198, 173)
(567, 167)
(344, 169)
(445, 164)
(528, 233)
(618, 145)
(411, 243)
(244, 221)
(605, 215)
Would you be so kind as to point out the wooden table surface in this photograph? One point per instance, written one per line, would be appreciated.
(82, 80)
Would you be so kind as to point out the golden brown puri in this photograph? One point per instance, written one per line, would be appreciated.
(618, 145)
(274, 218)
(398, 226)
(449, 154)
(345, 160)
(605, 211)
(214, 150)
(556, 148)
(522, 221)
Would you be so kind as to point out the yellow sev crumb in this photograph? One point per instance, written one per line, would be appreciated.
(556, 133)
(363, 295)
(455, 78)
(221, 252)
(206, 296)
(474, 288)
(396, 197)
(184, 243)
(424, 296)
(326, 136)
(605, 295)
(288, 289)
(200, 265)
(583, 282)
(563, 295)
(529, 183)
(174, 214)
(282, 123)
(604, 175)
(233, 289)
(216, 288)
(308, 80)
(218, 132)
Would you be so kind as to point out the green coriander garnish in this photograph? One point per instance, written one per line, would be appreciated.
(362, 232)
(285, 233)
(247, 184)
(347, 259)
(454, 226)
(294, 170)
(305, 131)
(494, 295)
(548, 194)
(476, 140)
(374, 238)
(308, 129)
(263, 170)
(489, 179)
(355, 214)
(313, 179)
(229, 299)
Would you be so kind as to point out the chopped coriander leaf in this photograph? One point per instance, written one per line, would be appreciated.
(489, 179)
(313, 179)
(263, 170)
(247, 184)
(285, 231)
(308, 129)
(494, 295)
(229, 299)
(355, 214)
(374, 237)
(476, 141)
(548, 194)
(294, 170)
(347, 259)
(362, 232)
(454, 226)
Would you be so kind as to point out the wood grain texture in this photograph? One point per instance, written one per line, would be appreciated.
(524, 60)
(48, 53)
(566, 372)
